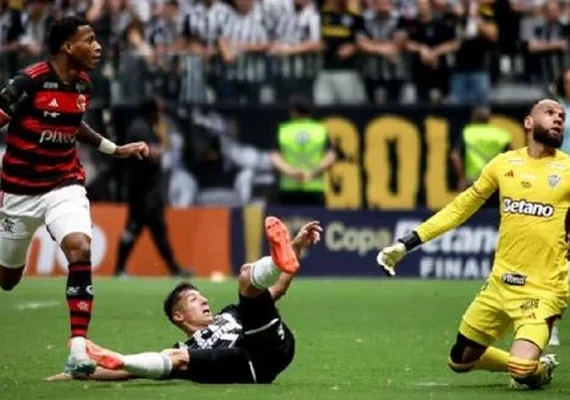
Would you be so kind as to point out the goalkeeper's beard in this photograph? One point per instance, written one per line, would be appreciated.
(542, 135)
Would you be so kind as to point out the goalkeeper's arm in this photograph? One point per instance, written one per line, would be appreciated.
(450, 217)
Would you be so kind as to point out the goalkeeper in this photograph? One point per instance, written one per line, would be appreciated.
(528, 285)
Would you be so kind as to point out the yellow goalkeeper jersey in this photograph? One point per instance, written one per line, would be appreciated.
(535, 221)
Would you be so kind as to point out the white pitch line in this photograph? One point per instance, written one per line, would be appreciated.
(34, 305)
(430, 384)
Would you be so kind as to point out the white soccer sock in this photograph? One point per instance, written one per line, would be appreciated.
(148, 365)
(77, 347)
(264, 273)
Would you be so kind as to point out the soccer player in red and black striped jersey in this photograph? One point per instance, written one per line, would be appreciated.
(42, 178)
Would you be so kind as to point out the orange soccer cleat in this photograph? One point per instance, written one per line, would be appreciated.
(103, 357)
(282, 251)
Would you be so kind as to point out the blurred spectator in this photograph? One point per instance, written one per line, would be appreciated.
(202, 28)
(164, 31)
(270, 12)
(243, 42)
(296, 47)
(164, 36)
(430, 40)
(215, 167)
(561, 89)
(301, 155)
(37, 21)
(135, 58)
(547, 39)
(205, 22)
(11, 30)
(478, 144)
(63, 8)
(478, 34)
(339, 81)
(383, 66)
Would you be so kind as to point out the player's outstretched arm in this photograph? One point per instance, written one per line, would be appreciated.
(448, 218)
(89, 136)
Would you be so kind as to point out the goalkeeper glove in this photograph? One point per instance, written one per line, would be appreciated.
(391, 255)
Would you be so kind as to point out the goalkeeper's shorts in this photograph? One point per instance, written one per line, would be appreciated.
(498, 307)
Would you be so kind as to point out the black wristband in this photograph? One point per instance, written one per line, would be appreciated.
(411, 240)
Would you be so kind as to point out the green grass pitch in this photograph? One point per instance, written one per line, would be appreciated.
(356, 339)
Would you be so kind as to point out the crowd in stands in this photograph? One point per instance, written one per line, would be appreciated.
(335, 51)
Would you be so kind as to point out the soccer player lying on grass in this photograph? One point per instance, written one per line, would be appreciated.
(243, 343)
(528, 285)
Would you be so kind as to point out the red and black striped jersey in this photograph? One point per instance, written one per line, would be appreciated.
(45, 115)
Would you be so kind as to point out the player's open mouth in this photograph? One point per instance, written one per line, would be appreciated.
(207, 312)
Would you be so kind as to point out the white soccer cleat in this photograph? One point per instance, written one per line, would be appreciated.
(550, 363)
(78, 363)
(79, 367)
(554, 337)
(389, 257)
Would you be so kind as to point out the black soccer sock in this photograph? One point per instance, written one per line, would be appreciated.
(79, 297)
(162, 243)
(123, 254)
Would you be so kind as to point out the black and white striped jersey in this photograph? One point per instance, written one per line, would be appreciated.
(299, 27)
(161, 32)
(225, 332)
(382, 28)
(207, 23)
(245, 28)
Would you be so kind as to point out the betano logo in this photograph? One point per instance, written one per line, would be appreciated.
(524, 207)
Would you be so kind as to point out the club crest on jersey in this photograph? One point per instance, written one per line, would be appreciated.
(553, 180)
(81, 103)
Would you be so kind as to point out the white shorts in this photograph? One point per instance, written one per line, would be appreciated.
(63, 211)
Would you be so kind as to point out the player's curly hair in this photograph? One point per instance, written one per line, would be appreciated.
(174, 296)
(61, 30)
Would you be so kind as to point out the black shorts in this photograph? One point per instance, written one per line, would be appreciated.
(268, 341)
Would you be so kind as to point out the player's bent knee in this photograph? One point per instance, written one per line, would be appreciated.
(77, 247)
(244, 274)
(521, 368)
(464, 354)
(10, 277)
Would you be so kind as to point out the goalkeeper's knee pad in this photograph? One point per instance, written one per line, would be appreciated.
(521, 368)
